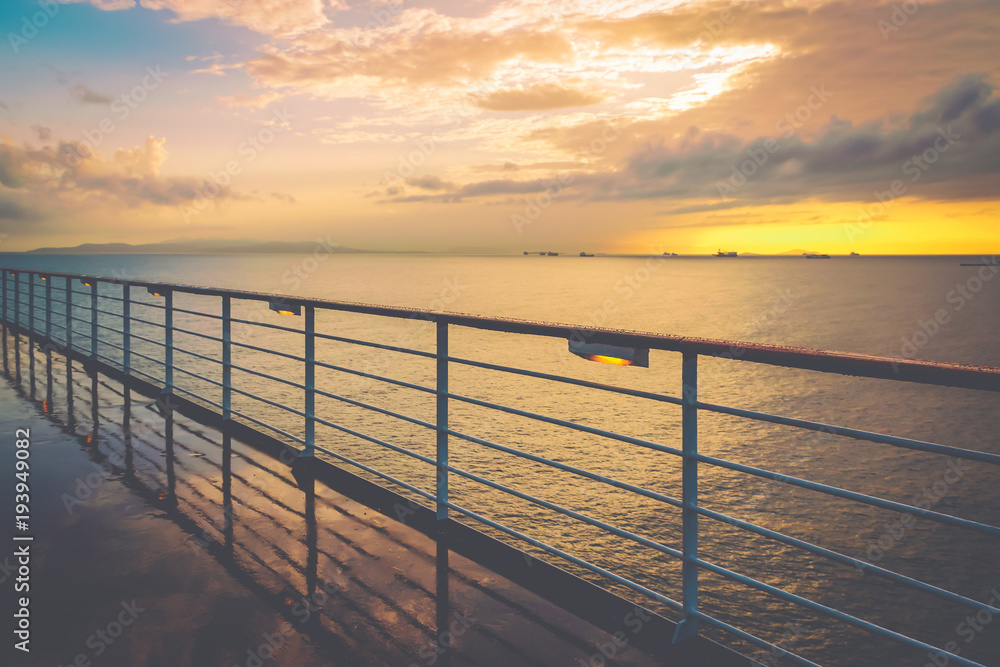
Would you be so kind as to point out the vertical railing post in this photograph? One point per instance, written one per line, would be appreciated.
(442, 420)
(310, 344)
(688, 627)
(31, 307)
(4, 316)
(168, 341)
(127, 328)
(227, 357)
(93, 320)
(48, 308)
(17, 301)
(69, 315)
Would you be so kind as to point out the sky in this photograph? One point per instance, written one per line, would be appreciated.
(626, 126)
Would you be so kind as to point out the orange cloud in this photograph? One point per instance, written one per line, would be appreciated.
(539, 97)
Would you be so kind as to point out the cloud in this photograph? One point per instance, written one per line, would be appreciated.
(240, 100)
(85, 95)
(74, 176)
(3, 106)
(429, 183)
(283, 197)
(540, 97)
(43, 133)
(10, 210)
(948, 150)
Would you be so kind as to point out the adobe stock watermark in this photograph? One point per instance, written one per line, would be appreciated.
(407, 164)
(928, 498)
(102, 638)
(459, 625)
(901, 14)
(30, 25)
(635, 620)
(716, 26)
(381, 18)
(757, 156)
(957, 298)
(914, 169)
(248, 150)
(122, 106)
(967, 630)
(534, 206)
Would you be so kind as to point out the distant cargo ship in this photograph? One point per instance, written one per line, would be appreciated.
(586, 254)
(726, 254)
(815, 255)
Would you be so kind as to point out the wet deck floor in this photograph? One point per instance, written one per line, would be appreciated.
(136, 560)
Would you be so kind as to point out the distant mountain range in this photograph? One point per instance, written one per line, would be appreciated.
(197, 247)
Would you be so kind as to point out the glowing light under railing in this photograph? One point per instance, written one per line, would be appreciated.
(611, 354)
(85, 283)
(285, 308)
(154, 292)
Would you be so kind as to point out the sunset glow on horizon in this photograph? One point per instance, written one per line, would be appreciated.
(565, 125)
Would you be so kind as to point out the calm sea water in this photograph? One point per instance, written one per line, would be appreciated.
(919, 307)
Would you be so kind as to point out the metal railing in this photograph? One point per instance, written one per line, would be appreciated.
(22, 290)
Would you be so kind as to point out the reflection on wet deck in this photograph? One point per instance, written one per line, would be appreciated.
(241, 563)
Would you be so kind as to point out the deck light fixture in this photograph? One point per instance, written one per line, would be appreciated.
(154, 291)
(611, 354)
(85, 283)
(283, 308)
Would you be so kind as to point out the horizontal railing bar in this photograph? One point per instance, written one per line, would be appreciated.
(158, 362)
(269, 402)
(568, 424)
(188, 332)
(570, 513)
(569, 380)
(377, 441)
(753, 639)
(268, 426)
(379, 346)
(147, 304)
(148, 340)
(269, 377)
(842, 363)
(105, 326)
(829, 611)
(377, 473)
(110, 344)
(266, 325)
(133, 370)
(896, 441)
(400, 383)
(266, 351)
(200, 377)
(198, 396)
(852, 495)
(195, 354)
(133, 318)
(198, 313)
(573, 559)
(510, 450)
(846, 560)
